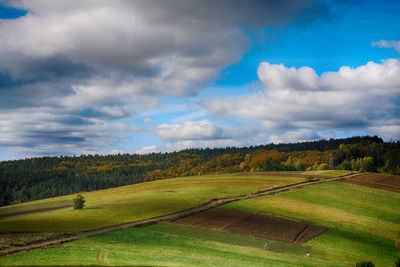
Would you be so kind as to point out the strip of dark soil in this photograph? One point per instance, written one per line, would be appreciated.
(216, 218)
(373, 185)
(268, 227)
(34, 211)
(390, 180)
(258, 225)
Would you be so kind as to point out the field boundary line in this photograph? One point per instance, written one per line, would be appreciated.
(5, 215)
(214, 202)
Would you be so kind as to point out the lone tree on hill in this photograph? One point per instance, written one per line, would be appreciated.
(79, 202)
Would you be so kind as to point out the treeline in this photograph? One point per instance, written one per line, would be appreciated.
(37, 178)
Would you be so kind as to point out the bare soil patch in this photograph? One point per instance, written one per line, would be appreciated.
(258, 225)
(378, 181)
(216, 218)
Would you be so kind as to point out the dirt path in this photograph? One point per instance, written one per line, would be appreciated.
(173, 216)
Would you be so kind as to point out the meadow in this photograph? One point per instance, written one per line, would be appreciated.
(169, 245)
(363, 222)
(134, 202)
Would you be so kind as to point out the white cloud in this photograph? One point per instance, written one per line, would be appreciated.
(279, 77)
(300, 135)
(189, 130)
(387, 44)
(147, 150)
(147, 121)
(387, 132)
(206, 133)
(299, 99)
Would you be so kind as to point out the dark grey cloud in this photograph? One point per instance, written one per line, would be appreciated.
(68, 68)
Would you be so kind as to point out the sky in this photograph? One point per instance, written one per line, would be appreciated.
(141, 76)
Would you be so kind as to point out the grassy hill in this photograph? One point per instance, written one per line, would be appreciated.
(133, 202)
(362, 222)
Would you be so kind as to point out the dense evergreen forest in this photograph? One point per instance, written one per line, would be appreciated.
(37, 178)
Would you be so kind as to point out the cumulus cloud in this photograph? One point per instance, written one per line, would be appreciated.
(199, 130)
(387, 44)
(206, 133)
(92, 62)
(294, 99)
(300, 135)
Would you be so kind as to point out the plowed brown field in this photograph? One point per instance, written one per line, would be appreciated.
(259, 225)
(379, 181)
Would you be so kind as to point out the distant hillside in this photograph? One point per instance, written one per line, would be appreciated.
(37, 178)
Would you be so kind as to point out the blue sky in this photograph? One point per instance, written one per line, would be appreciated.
(94, 77)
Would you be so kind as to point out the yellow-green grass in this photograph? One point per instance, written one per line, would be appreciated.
(10, 210)
(148, 247)
(135, 202)
(363, 221)
(327, 173)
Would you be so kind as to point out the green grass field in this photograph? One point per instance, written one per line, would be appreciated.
(157, 246)
(9, 210)
(134, 202)
(363, 221)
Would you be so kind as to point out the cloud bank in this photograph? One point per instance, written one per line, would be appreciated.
(69, 68)
(387, 44)
(366, 97)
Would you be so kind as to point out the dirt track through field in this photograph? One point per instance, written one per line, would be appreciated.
(173, 216)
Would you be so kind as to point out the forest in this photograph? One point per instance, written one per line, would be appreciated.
(42, 177)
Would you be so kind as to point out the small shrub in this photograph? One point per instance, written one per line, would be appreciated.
(365, 264)
(79, 202)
